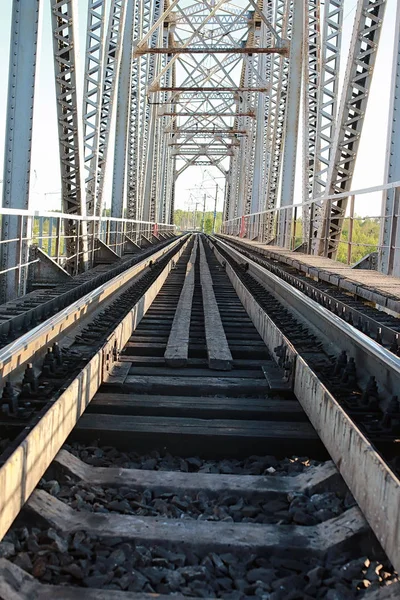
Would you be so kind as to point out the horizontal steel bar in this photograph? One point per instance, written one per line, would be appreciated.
(207, 114)
(47, 214)
(211, 50)
(210, 89)
(361, 191)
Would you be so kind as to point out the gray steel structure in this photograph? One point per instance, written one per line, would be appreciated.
(172, 84)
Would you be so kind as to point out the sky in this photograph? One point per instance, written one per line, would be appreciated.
(45, 176)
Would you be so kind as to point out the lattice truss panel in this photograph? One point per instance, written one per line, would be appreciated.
(198, 83)
(357, 82)
(201, 75)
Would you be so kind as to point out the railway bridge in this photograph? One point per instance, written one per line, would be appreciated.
(200, 411)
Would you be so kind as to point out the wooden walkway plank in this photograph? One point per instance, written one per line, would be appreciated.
(219, 355)
(367, 284)
(176, 354)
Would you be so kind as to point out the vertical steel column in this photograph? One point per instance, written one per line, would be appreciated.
(112, 64)
(70, 135)
(121, 130)
(152, 126)
(326, 107)
(277, 111)
(389, 252)
(92, 97)
(328, 91)
(134, 120)
(311, 70)
(292, 120)
(18, 136)
(357, 82)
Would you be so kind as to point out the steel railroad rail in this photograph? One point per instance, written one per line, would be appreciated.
(187, 358)
(21, 470)
(381, 326)
(22, 314)
(374, 485)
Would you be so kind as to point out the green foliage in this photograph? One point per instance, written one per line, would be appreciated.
(365, 238)
(208, 225)
(184, 220)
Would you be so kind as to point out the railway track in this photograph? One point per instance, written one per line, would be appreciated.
(191, 468)
(377, 324)
(22, 314)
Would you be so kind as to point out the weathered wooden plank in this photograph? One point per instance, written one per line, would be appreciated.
(312, 481)
(208, 437)
(199, 386)
(202, 535)
(188, 372)
(219, 355)
(198, 407)
(176, 353)
(119, 372)
(204, 427)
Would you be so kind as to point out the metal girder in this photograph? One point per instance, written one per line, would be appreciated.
(223, 115)
(69, 115)
(311, 82)
(291, 120)
(212, 50)
(211, 89)
(357, 82)
(112, 61)
(260, 146)
(389, 252)
(132, 208)
(277, 112)
(92, 93)
(327, 100)
(122, 118)
(328, 91)
(150, 165)
(18, 139)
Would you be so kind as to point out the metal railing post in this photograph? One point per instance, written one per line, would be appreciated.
(351, 225)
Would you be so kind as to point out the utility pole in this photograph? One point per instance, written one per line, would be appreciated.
(215, 207)
(204, 213)
(195, 216)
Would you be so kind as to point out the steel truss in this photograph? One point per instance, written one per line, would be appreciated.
(189, 121)
(69, 115)
(112, 62)
(389, 253)
(93, 87)
(277, 112)
(311, 86)
(357, 82)
(17, 155)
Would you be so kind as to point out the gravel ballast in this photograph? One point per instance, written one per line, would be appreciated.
(107, 456)
(117, 565)
(296, 508)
